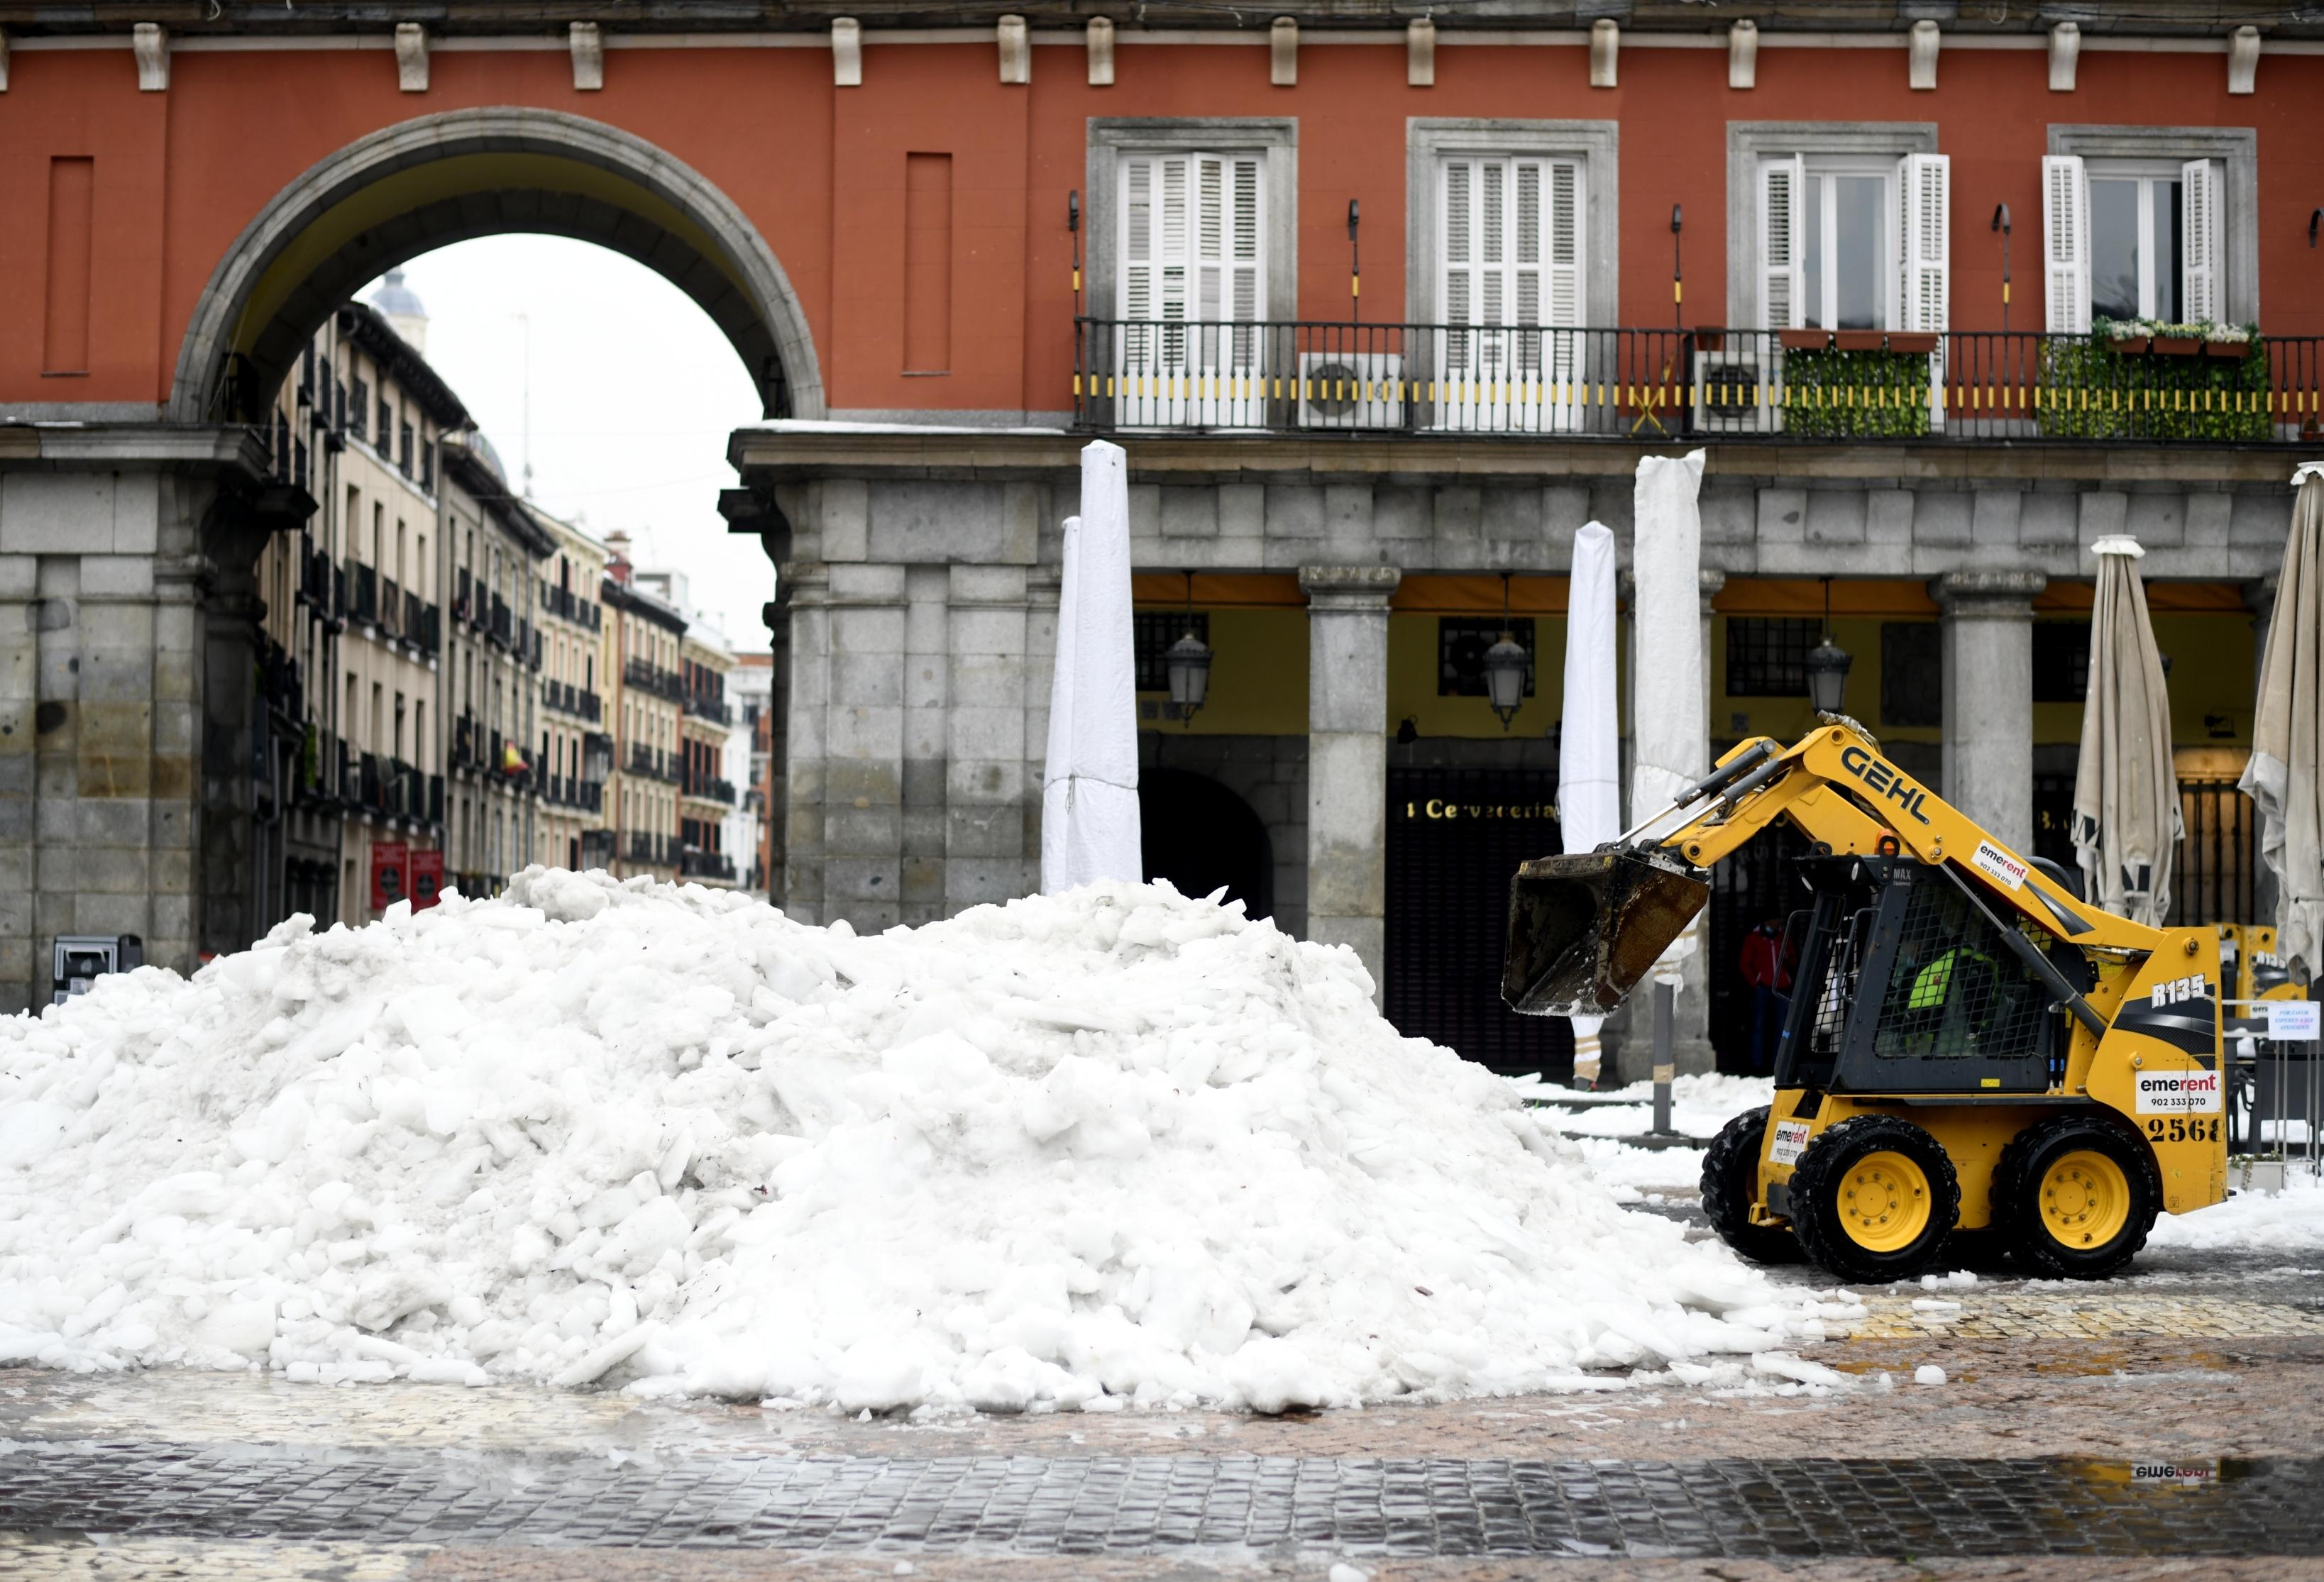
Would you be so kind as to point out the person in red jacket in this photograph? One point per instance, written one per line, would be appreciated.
(1766, 967)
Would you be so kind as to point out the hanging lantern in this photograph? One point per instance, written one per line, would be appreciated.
(1827, 667)
(1188, 663)
(1505, 677)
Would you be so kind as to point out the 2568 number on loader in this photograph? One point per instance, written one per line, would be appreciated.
(1966, 1043)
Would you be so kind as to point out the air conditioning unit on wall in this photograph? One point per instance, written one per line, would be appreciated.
(1735, 392)
(1350, 389)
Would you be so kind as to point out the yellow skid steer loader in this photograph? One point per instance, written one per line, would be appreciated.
(1966, 1043)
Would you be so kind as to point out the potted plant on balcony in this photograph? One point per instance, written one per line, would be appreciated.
(2228, 340)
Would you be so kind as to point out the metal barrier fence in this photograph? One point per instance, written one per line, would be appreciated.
(1657, 384)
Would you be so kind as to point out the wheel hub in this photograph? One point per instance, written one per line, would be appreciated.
(1884, 1201)
(2085, 1200)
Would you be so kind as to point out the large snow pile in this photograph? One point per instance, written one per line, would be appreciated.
(1114, 1145)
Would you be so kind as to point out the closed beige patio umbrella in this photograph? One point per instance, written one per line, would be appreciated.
(2125, 828)
(2282, 775)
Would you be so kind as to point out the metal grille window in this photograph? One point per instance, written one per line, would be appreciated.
(1912, 686)
(1767, 656)
(2061, 661)
(1955, 991)
(1153, 631)
(1461, 644)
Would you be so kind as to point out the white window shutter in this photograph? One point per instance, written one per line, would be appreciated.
(1456, 260)
(2065, 246)
(1781, 184)
(1137, 237)
(2198, 212)
(1564, 308)
(1925, 181)
(1246, 240)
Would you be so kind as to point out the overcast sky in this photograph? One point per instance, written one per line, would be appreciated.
(635, 392)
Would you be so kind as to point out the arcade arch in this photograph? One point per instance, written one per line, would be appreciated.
(426, 183)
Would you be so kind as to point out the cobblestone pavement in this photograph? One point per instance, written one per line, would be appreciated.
(2021, 1465)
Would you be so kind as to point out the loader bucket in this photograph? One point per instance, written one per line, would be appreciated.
(1584, 928)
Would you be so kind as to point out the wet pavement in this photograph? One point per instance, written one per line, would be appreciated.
(2166, 1424)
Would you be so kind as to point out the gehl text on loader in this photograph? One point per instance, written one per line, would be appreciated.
(1968, 1044)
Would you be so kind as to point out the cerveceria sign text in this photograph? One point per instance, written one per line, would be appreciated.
(1444, 807)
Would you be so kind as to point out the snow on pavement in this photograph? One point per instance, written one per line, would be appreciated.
(1113, 1147)
(2292, 1221)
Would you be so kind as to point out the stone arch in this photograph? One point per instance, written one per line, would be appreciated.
(1202, 836)
(426, 183)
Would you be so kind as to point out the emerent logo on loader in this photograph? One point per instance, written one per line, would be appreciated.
(1883, 781)
(2178, 1092)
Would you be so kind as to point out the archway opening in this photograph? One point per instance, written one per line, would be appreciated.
(458, 674)
(1202, 837)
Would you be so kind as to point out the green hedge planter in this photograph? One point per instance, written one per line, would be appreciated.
(1856, 395)
(2090, 391)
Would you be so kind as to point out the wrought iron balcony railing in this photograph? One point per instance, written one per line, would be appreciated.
(1669, 384)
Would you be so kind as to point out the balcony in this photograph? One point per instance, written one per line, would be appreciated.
(647, 676)
(642, 846)
(708, 705)
(655, 764)
(568, 699)
(707, 788)
(1656, 385)
(695, 863)
(363, 594)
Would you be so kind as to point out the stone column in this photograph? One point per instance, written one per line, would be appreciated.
(803, 748)
(1002, 647)
(1347, 757)
(863, 745)
(1988, 698)
(926, 689)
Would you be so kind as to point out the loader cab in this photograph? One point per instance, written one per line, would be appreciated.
(1905, 985)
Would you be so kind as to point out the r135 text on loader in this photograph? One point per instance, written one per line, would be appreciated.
(1966, 1043)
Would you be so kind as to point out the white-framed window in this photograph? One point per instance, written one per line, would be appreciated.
(2132, 238)
(1855, 241)
(1193, 240)
(1510, 234)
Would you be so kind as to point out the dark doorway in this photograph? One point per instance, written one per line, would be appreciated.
(1200, 836)
(1455, 834)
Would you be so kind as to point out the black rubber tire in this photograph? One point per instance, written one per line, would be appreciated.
(1815, 1210)
(1730, 1185)
(2017, 1213)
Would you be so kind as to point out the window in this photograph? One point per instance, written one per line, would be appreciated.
(1461, 644)
(1854, 241)
(1767, 656)
(2061, 661)
(1512, 236)
(1512, 233)
(1192, 249)
(2132, 238)
(1911, 688)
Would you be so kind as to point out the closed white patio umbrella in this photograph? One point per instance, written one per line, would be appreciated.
(1590, 748)
(2282, 775)
(1089, 791)
(2125, 824)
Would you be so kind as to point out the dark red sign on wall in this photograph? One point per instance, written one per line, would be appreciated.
(389, 874)
(427, 879)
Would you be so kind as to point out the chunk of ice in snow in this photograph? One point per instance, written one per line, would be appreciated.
(1075, 1151)
(1928, 1373)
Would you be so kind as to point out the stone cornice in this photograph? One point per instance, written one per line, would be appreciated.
(133, 447)
(771, 454)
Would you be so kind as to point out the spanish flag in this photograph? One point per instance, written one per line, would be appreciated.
(511, 760)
